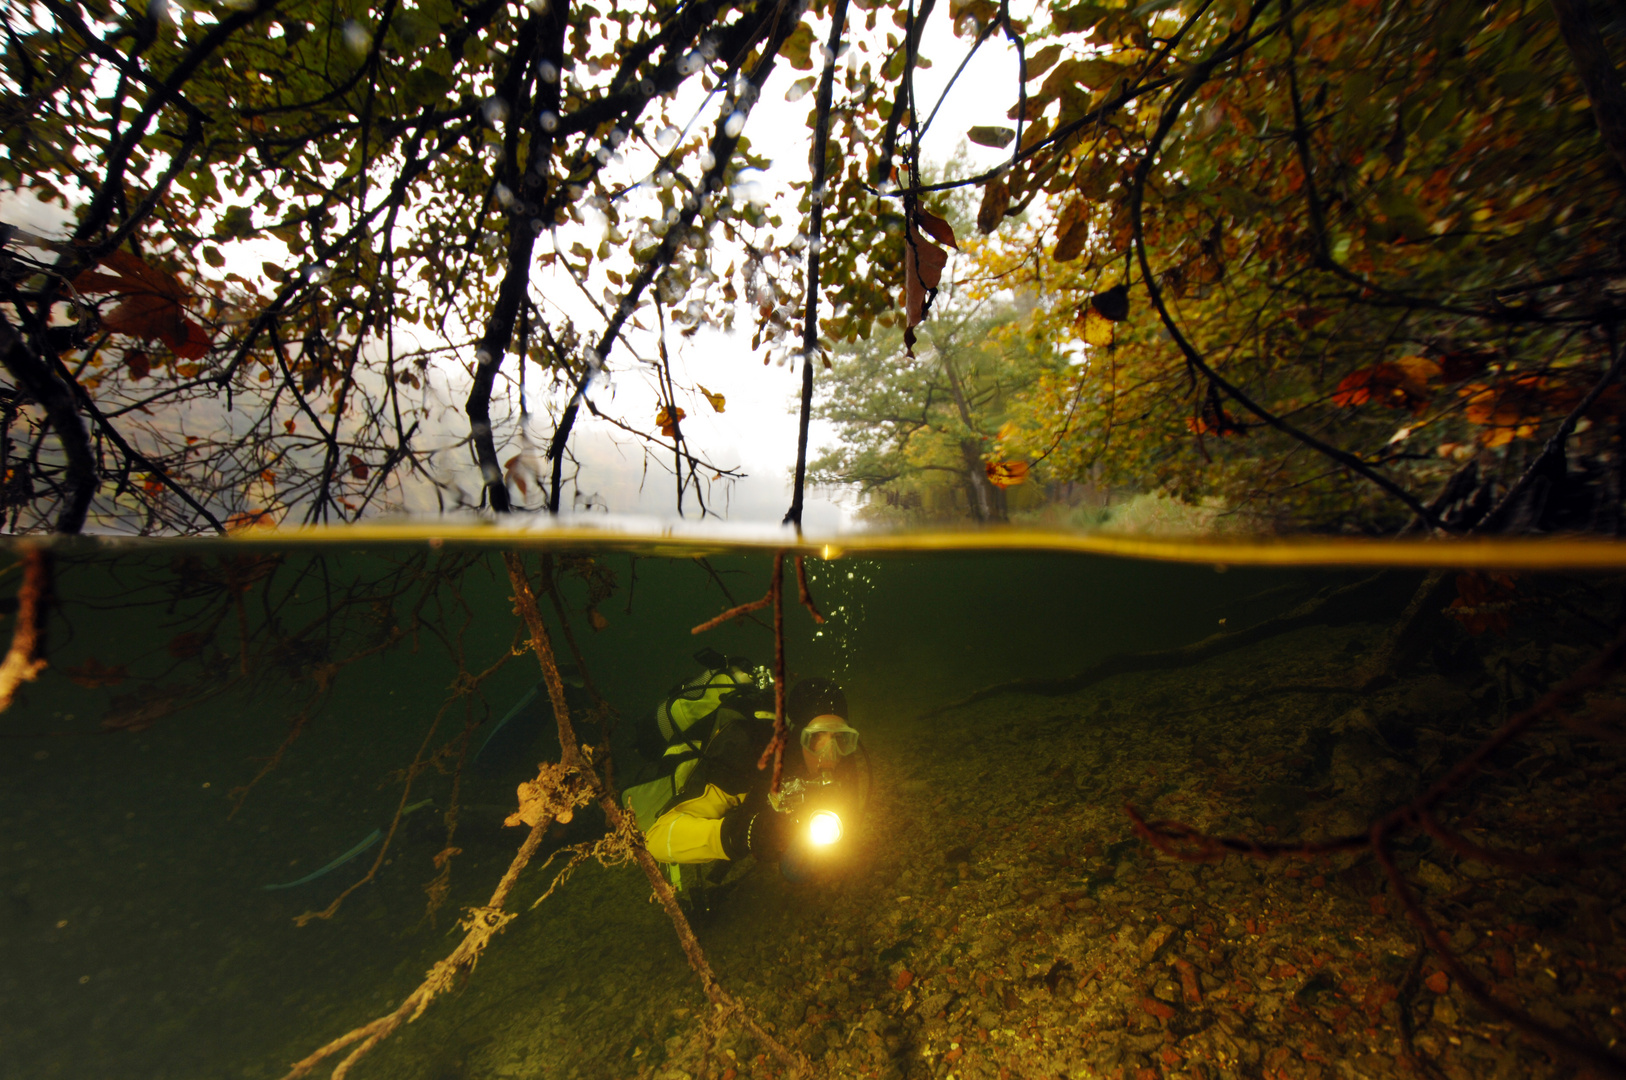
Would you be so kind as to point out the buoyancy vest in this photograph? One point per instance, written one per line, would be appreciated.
(684, 723)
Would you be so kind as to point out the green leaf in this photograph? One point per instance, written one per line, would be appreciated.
(1041, 61)
(1076, 19)
(996, 137)
(237, 222)
(798, 48)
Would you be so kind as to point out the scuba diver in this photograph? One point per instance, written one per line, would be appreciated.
(709, 806)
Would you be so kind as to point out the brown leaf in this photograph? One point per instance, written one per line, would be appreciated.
(138, 364)
(937, 228)
(152, 305)
(358, 467)
(996, 199)
(597, 621)
(1072, 231)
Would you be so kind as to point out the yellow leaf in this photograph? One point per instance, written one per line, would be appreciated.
(668, 422)
(715, 399)
(1097, 327)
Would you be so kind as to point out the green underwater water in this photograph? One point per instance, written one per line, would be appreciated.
(139, 941)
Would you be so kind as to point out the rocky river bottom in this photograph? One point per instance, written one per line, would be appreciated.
(1001, 919)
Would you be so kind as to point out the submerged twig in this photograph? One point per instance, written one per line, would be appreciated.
(21, 665)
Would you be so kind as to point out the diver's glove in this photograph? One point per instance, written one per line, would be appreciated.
(756, 831)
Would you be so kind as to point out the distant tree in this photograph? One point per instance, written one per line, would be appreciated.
(917, 434)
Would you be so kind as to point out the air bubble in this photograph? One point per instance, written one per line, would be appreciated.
(549, 120)
(548, 71)
(494, 110)
(356, 39)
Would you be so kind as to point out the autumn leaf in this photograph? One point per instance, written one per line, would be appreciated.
(988, 135)
(358, 467)
(152, 307)
(251, 519)
(514, 473)
(1485, 601)
(1515, 408)
(138, 364)
(937, 228)
(716, 400)
(597, 621)
(1214, 420)
(923, 263)
(1072, 231)
(996, 199)
(1398, 384)
(1007, 473)
(152, 485)
(93, 673)
(1096, 327)
(668, 422)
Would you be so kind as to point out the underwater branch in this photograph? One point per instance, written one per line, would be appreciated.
(21, 665)
(1187, 843)
(727, 1006)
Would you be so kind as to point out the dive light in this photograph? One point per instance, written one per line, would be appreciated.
(808, 802)
(825, 828)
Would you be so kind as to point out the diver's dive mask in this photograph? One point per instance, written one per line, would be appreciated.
(843, 739)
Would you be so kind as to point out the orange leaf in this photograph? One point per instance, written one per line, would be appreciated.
(1515, 408)
(598, 621)
(668, 422)
(152, 485)
(358, 467)
(1439, 982)
(717, 400)
(252, 519)
(1398, 385)
(1007, 473)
